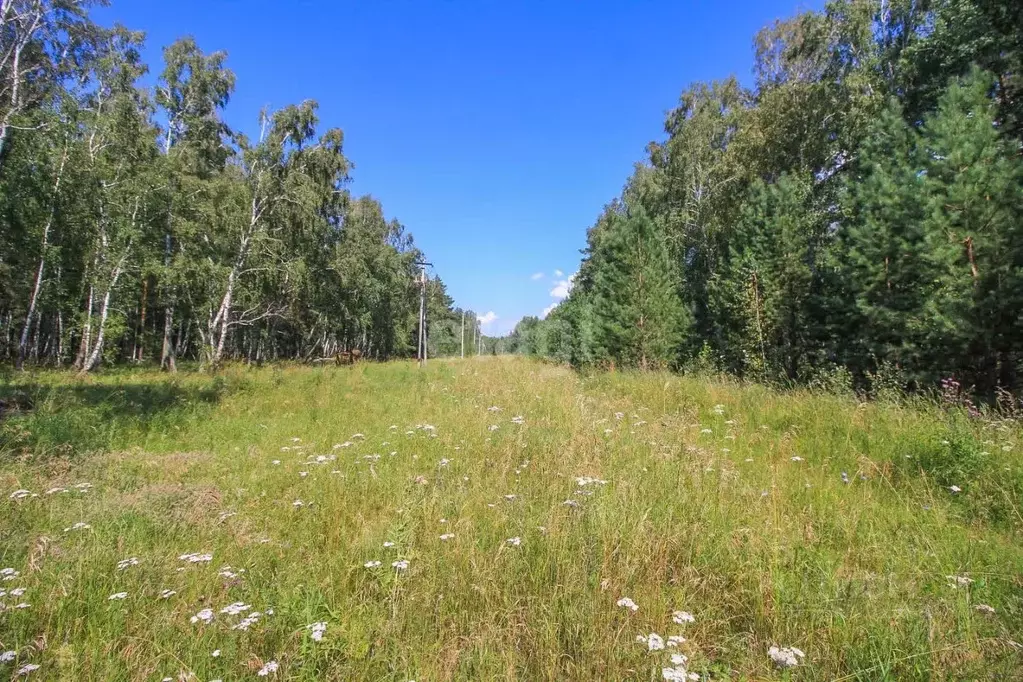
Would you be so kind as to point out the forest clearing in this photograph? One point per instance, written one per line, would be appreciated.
(500, 519)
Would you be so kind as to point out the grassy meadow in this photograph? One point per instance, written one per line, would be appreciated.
(228, 527)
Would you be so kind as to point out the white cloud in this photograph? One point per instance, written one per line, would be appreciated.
(559, 273)
(548, 309)
(536, 276)
(562, 287)
(487, 318)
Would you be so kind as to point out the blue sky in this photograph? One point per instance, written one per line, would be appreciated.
(495, 130)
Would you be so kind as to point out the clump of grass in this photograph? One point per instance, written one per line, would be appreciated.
(722, 500)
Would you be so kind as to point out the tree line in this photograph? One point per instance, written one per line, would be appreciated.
(136, 226)
(855, 212)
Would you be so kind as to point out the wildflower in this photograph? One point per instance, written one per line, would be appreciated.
(678, 674)
(248, 621)
(797, 458)
(514, 542)
(493, 408)
(226, 515)
(270, 667)
(358, 435)
(117, 595)
(388, 544)
(493, 427)
(570, 503)
(167, 594)
(26, 669)
(682, 617)
(7, 656)
(421, 480)
(619, 416)
(317, 630)
(51, 491)
(510, 498)
(518, 420)
(82, 487)
(298, 503)
(675, 640)
(216, 653)
(400, 565)
(444, 462)
(719, 409)
(654, 642)
(706, 431)
(372, 564)
(18, 591)
(235, 608)
(447, 536)
(81, 525)
(960, 580)
(984, 608)
(845, 478)
(20, 494)
(955, 489)
(276, 462)
(23, 606)
(627, 603)
(640, 423)
(206, 616)
(583, 481)
(197, 558)
(785, 657)
(303, 474)
(127, 563)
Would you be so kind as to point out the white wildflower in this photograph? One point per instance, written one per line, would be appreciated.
(682, 617)
(372, 564)
(8, 656)
(23, 606)
(785, 657)
(77, 526)
(797, 458)
(216, 653)
(400, 565)
(248, 621)
(26, 669)
(206, 616)
(298, 503)
(388, 544)
(955, 489)
(675, 640)
(197, 558)
(127, 563)
(518, 420)
(627, 603)
(318, 629)
(20, 494)
(493, 427)
(514, 542)
(117, 595)
(270, 667)
(276, 462)
(303, 474)
(654, 642)
(51, 491)
(984, 608)
(18, 591)
(510, 498)
(447, 536)
(235, 608)
(167, 594)
(444, 462)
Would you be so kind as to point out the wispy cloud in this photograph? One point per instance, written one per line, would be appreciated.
(536, 276)
(487, 318)
(559, 273)
(548, 309)
(562, 287)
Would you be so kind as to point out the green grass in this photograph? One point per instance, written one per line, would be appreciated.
(762, 549)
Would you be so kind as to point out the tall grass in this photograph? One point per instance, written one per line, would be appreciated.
(723, 500)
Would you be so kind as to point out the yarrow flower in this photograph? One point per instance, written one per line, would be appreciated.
(235, 608)
(447, 536)
(26, 669)
(682, 617)
(955, 489)
(127, 563)
(627, 603)
(20, 494)
(81, 525)
(797, 458)
(388, 544)
(960, 580)
(653, 641)
(197, 558)
(675, 640)
(269, 667)
(206, 616)
(117, 595)
(514, 542)
(372, 564)
(518, 420)
(318, 629)
(984, 608)
(400, 565)
(785, 657)
(248, 621)
(8, 656)
(167, 594)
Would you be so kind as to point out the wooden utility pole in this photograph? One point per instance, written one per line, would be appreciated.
(463, 334)
(421, 351)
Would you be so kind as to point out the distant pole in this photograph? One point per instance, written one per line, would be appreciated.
(463, 334)
(421, 351)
